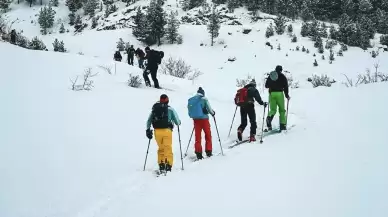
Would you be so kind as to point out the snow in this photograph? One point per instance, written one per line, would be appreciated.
(66, 153)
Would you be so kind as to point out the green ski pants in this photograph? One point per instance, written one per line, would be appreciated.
(276, 99)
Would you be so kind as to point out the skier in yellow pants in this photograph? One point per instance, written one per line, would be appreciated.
(163, 117)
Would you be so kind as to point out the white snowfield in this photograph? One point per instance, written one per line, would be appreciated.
(81, 154)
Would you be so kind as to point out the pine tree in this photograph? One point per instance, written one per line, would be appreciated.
(305, 31)
(294, 39)
(214, 25)
(367, 25)
(232, 4)
(140, 25)
(71, 19)
(94, 22)
(280, 25)
(306, 13)
(318, 42)
(315, 63)
(365, 6)
(4, 5)
(384, 40)
(333, 33)
(59, 46)
(270, 31)
(290, 29)
(172, 28)
(156, 20)
(36, 44)
(74, 5)
(90, 7)
(46, 19)
(120, 45)
(331, 58)
(54, 3)
(62, 29)
(77, 22)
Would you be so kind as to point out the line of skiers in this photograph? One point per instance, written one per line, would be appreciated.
(163, 116)
(153, 57)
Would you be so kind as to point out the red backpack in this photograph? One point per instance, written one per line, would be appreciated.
(241, 97)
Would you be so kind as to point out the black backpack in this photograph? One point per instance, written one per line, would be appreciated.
(159, 56)
(160, 116)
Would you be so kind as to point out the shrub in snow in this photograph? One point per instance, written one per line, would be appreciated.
(179, 39)
(297, 48)
(322, 80)
(107, 69)
(214, 25)
(331, 58)
(87, 83)
(232, 59)
(244, 81)
(59, 46)
(307, 51)
(290, 29)
(344, 47)
(95, 22)
(134, 81)
(46, 19)
(120, 45)
(294, 39)
(291, 82)
(178, 68)
(367, 78)
(303, 49)
(54, 3)
(315, 63)
(22, 41)
(270, 31)
(36, 44)
(374, 54)
(323, 57)
(221, 41)
(279, 48)
(246, 30)
(62, 29)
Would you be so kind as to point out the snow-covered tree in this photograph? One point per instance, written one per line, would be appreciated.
(46, 19)
(365, 6)
(172, 28)
(59, 46)
(280, 25)
(139, 30)
(232, 4)
(384, 40)
(36, 44)
(306, 13)
(62, 29)
(305, 30)
(54, 3)
(190, 4)
(4, 5)
(156, 20)
(74, 5)
(94, 22)
(90, 7)
(71, 19)
(214, 25)
(290, 29)
(270, 31)
(77, 22)
(120, 45)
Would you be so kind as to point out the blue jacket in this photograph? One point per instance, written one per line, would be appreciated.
(172, 118)
(207, 109)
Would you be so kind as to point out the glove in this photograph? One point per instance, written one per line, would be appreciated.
(265, 104)
(149, 133)
(288, 97)
(261, 103)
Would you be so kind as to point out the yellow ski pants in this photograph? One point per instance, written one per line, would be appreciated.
(163, 138)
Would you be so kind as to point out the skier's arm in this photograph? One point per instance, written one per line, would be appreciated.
(286, 87)
(207, 106)
(174, 116)
(149, 121)
(267, 83)
(258, 97)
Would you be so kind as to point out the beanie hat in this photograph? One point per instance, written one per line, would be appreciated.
(253, 82)
(279, 69)
(201, 91)
(164, 98)
(147, 48)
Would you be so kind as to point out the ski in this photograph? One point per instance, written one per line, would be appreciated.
(237, 143)
(158, 173)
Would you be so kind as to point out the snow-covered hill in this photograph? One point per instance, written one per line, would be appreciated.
(80, 153)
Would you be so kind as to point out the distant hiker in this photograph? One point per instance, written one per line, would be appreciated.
(140, 55)
(130, 52)
(245, 98)
(162, 119)
(13, 36)
(154, 58)
(117, 56)
(277, 84)
(199, 108)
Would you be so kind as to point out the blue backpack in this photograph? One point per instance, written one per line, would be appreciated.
(195, 107)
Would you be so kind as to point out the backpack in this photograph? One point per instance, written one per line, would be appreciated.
(274, 76)
(160, 55)
(194, 107)
(160, 116)
(241, 97)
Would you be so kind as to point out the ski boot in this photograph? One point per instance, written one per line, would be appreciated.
(199, 155)
(209, 153)
(148, 84)
(162, 167)
(252, 138)
(269, 124)
(282, 127)
(239, 134)
(168, 168)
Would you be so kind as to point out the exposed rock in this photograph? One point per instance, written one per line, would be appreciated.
(232, 59)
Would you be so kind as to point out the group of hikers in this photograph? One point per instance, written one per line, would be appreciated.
(163, 117)
(153, 59)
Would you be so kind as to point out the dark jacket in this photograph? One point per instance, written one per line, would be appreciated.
(152, 59)
(253, 94)
(279, 85)
(139, 52)
(118, 56)
(131, 51)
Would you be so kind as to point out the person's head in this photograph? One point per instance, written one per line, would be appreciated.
(164, 98)
(201, 91)
(252, 83)
(131, 46)
(147, 49)
(279, 69)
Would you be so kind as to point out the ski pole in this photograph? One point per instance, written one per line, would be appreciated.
(189, 142)
(219, 139)
(148, 148)
(262, 127)
(180, 146)
(230, 130)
